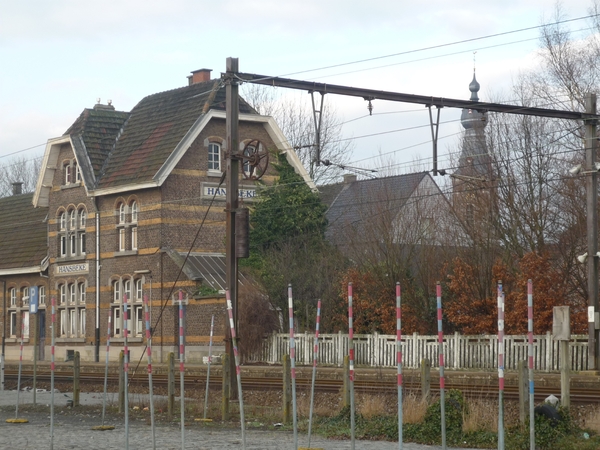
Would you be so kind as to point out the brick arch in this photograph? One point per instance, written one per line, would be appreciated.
(215, 140)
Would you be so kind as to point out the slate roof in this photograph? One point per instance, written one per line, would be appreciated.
(355, 202)
(154, 128)
(209, 267)
(23, 232)
(98, 128)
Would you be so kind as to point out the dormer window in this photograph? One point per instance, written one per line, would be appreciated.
(71, 173)
(67, 169)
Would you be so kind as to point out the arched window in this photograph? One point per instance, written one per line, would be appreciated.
(42, 295)
(134, 211)
(82, 293)
(25, 297)
(116, 291)
(214, 156)
(127, 289)
(62, 289)
(67, 170)
(122, 213)
(63, 221)
(13, 296)
(82, 218)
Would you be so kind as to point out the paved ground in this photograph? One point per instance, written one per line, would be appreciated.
(72, 430)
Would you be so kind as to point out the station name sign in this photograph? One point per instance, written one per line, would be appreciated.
(246, 193)
(72, 269)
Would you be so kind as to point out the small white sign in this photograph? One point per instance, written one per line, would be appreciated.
(591, 315)
(246, 193)
(72, 269)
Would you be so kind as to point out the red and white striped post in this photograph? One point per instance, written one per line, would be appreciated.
(108, 329)
(149, 350)
(314, 371)
(126, 367)
(351, 358)
(530, 363)
(237, 365)
(399, 359)
(52, 367)
(500, 367)
(438, 289)
(210, 342)
(293, 364)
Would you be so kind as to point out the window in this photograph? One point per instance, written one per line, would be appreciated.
(134, 244)
(42, 295)
(63, 322)
(82, 321)
(62, 293)
(117, 292)
(72, 295)
(25, 324)
(122, 239)
(25, 297)
(71, 233)
(13, 296)
(134, 212)
(214, 157)
(72, 322)
(247, 169)
(82, 293)
(139, 290)
(77, 172)
(67, 169)
(127, 291)
(13, 324)
(117, 324)
(71, 309)
(122, 213)
(138, 316)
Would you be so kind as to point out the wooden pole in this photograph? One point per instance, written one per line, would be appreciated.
(76, 378)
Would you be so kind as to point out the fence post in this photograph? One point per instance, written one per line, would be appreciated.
(565, 385)
(523, 372)
(549, 350)
(425, 379)
(457, 344)
(287, 391)
(170, 385)
(415, 352)
(76, 372)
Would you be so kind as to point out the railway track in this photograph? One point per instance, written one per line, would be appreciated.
(578, 395)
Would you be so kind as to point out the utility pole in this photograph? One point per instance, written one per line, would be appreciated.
(592, 232)
(232, 104)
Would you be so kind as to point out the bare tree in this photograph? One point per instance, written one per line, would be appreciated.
(296, 119)
(19, 170)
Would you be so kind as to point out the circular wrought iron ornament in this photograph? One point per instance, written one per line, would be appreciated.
(255, 157)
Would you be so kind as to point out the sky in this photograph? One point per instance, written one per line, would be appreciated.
(59, 57)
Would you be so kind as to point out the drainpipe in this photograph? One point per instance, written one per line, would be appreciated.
(97, 330)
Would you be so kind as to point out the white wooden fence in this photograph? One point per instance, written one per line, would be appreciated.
(461, 352)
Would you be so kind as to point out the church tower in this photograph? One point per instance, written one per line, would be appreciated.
(472, 180)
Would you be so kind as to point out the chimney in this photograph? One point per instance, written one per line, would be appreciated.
(349, 178)
(17, 187)
(199, 76)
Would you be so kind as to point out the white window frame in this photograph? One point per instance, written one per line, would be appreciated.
(64, 322)
(82, 243)
(13, 324)
(139, 290)
(138, 313)
(25, 297)
(134, 211)
(72, 294)
(117, 292)
(127, 290)
(81, 293)
(134, 238)
(25, 324)
(72, 244)
(42, 295)
(82, 218)
(81, 315)
(62, 289)
(63, 220)
(72, 219)
(13, 297)
(214, 157)
(77, 172)
(117, 321)
(72, 322)
(122, 213)
(67, 169)
(121, 239)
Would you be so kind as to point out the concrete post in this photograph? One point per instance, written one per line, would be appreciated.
(226, 389)
(523, 372)
(346, 385)
(426, 379)
(76, 376)
(565, 385)
(121, 381)
(170, 385)
(287, 390)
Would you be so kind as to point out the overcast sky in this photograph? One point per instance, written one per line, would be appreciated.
(58, 57)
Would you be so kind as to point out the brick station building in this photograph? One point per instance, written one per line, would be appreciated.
(118, 204)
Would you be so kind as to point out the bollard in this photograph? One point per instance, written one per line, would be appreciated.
(226, 389)
(171, 385)
(523, 391)
(346, 384)
(121, 381)
(425, 380)
(76, 375)
(287, 390)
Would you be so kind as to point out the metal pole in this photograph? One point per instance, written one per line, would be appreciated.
(20, 366)
(293, 365)
(237, 366)
(106, 367)
(592, 231)
(181, 370)
(210, 342)
(530, 363)
(399, 359)
(149, 351)
(441, 363)
(3, 355)
(314, 371)
(126, 369)
(52, 374)
(351, 360)
(500, 367)
(232, 173)
(35, 350)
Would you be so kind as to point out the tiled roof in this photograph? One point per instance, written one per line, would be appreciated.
(359, 200)
(155, 126)
(23, 232)
(98, 128)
